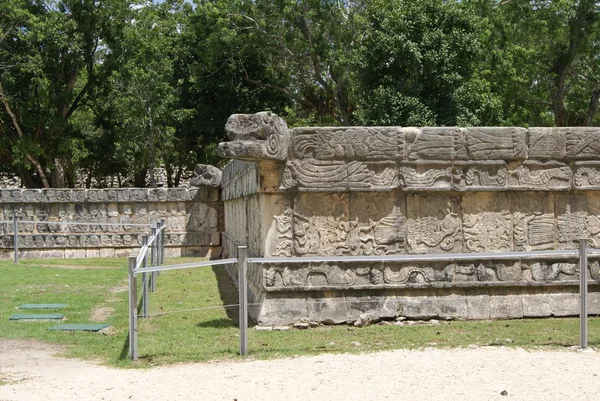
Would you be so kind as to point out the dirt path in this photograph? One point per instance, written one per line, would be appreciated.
(30, 372)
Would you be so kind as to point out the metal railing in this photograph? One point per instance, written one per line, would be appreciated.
(16, 222)
(242, 261)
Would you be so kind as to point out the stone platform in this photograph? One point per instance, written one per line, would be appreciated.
(395, 190)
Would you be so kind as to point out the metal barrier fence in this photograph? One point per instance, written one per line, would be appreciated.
(16, 221)
(242, 261)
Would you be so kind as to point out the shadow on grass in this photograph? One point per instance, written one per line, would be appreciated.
(221, 323)
(229, 296)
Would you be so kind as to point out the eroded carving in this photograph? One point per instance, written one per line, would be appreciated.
(434, 224)
(256, 136)
(583, 143)
(487, 223)
(352, 143)
(499, 143)
(435, 143)
(425, 176)
(206, 175)
(481, 176)
(540, 176)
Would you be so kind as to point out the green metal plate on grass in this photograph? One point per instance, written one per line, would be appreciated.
(42, 316)
(80, 327)
(43, 306)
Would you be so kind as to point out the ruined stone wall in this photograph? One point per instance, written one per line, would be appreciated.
(393, 190)
(194, 219)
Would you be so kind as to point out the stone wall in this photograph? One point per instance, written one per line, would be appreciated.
(194, 219)
(393, 190)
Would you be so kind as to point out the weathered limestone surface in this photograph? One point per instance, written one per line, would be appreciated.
(393, 190)
(194, 218)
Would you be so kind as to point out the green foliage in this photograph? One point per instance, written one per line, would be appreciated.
(116, 87)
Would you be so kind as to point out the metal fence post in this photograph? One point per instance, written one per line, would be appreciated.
(583, 289)
(133, 329)
(16, 236)
(154, 257)
(145, 279)
(243, 297)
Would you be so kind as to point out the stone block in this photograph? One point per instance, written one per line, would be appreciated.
(566, 304)
(487, 223)
(547, 143)
(539, 176)
(454, 307)
(506, 307)
(380, 304)
(92, 253)
(435, 143)
(138, 195)
(157, 195)
(480, 176)
(107, 252)
(346, 143)
(418, 307)
(478, 307)
(123, 195)
(586, 175)
(79, 195)
(327, 306)
(583, 143)
(425, 176)
(178, 194)
(496, 143)
(31, 195)
(536, 305)
(283, 309)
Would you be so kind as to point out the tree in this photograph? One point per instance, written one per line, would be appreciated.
(51, 52)
(417, 66)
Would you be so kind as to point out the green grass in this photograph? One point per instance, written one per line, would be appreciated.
(178, 331)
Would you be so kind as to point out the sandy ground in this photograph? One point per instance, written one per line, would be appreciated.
(29, 371)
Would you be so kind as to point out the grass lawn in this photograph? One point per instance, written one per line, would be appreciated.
(188, 322)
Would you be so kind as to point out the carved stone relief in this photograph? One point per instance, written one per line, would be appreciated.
(434, 224)
(483, 176)
(324, 225)
(583, 142)
(350, 143)
(487, 222)
(321, 275)
(533, 221)
(426, 176)
(496, 143)
(587, 175)
(539, 176)
(435, 143)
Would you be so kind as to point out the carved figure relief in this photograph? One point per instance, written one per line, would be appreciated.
(587, 175)
(435, 143)
(547, 272)
(320, 275)
(371, 176)
(487, 223)
(426, 176)
(488, 176)
(315, 174)
(433, 224)
(498, 271)
(488, 143)
(395, 274)
(583, 143)
(540, 176)
(284, 227)
(317, 232)
(354, 143)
